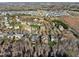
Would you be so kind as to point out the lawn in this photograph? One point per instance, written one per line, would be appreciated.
(35, 26)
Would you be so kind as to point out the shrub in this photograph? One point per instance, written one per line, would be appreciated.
(60, 23)
(52, 43)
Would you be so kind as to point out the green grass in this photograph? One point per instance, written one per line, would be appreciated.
(58, 22)
(35, 26)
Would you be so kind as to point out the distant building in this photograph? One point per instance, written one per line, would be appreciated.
(19, 36)
(1, 35)
(61, 27)
(34, 37)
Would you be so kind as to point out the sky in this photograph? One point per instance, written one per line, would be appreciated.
(39, 0)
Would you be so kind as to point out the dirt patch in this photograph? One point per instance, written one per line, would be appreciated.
(72, 21)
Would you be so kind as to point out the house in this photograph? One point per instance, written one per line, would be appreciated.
(19, 36)
(3, 13)
(16, 27)
(52, 38)
(5, 21)
(18, 20)
(35, 19)
(28, 28)
(34, 37)
(10, 27)
(61, 27)
(1, 35)
(23, 23)
(42, 28)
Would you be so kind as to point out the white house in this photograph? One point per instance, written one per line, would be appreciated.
(19, 36)
(61, 27)
(52, 38)
(35, 19)
(17, 19)
(16, 27)
(1, 35)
